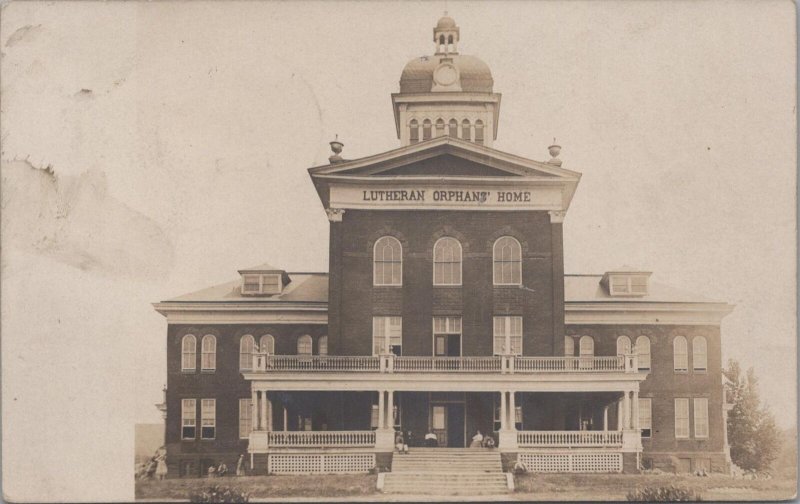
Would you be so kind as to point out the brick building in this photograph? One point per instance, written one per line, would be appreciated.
(446, 311)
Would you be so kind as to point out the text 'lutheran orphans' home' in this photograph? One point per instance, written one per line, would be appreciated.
(445, 311)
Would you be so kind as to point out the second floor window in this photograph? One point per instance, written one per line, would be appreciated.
(569, 346)
(507, 256)
(680, 354)
(388, 262)
(246, 345)
(323, 345)
(188, 353)
(508, 335)
(447, 262)
(304, 345)
(209, 353)
(447, 336)
(643, 351)
(623, 345)
(267, 344)
(699, 354)
(387, 335)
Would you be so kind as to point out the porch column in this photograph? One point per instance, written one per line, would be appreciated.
(635, 408)
(626, 412)
(285, 418)
(503, 412)
(390, 410)
(512, 411)
(254, 409)
(620, 414)
(605, 418)
(264, 422)
(381, 410)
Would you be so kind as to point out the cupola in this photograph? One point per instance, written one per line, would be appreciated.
(263, 280)
(445, 36)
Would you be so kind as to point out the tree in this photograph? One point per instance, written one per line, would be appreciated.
(753, 435)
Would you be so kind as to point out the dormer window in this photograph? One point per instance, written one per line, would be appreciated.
(263, 282)
(626, 283)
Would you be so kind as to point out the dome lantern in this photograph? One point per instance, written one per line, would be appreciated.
(445, 36)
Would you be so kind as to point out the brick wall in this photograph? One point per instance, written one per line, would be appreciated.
(663, 385)
(354, 300)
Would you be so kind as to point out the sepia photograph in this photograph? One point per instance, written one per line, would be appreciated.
(351, 251)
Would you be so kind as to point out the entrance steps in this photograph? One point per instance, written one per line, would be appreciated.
(446, 471)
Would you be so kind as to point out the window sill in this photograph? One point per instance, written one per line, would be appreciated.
(448, 285)
(388, 286)
(188, 371)
(208, 371)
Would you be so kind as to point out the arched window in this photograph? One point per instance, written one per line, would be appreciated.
(447, 262)
(414, 130)
(208, 353)
(643, 351)
(304, 345)
(586, 345)
(699, 354)
(246, 345)
(569, 346)
(507, 261)
(623, 345)
(586, 350)
(388, 261)
(426, 129)
(267, 344)
(465, 132)
(323, 345)
(439, 127)
(479, 132)
(680, 354)
(453, 128)
(188, 353)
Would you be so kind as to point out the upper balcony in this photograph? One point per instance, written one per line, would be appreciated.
(444, 374)
(497, 364)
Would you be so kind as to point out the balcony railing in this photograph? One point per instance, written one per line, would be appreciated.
(505, 364)
(569, 439)
(321, 439)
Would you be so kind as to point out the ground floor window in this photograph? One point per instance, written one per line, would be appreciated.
(188, 419)
(245, 417)
(701, 417)
(208, 418)
(645, 416)
(681, 418)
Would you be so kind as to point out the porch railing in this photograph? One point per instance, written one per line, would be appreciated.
(571, 364)
(506, 364)
(447, 364)
(320, 439)
(568, 439)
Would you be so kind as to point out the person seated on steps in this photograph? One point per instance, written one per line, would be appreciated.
(400, 443)
(431, 440)
(477, 440)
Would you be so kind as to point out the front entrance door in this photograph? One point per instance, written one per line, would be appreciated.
(448, 423)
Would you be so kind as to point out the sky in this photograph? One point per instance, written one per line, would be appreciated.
(152, 149)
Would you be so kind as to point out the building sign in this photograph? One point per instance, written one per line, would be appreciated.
(489, 198)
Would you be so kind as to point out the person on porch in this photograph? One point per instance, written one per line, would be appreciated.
(477, 440)
(431, 440)
(488, 442)
(400, 443)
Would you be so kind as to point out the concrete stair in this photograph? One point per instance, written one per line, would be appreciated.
(446, 471)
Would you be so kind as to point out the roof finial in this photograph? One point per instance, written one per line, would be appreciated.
(555, 150)
(336, 147)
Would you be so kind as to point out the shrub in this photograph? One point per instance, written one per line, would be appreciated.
(218, 493)
(663, 494)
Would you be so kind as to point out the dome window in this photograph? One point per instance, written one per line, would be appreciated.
(414, 132)
(426, 129)
(479, 132)
(439, 128)
(453, 128)
(465, 130)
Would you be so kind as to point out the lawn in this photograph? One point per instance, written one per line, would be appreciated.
(602, 487)
(342, 485)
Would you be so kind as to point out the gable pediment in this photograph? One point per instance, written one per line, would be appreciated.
(441, 163)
